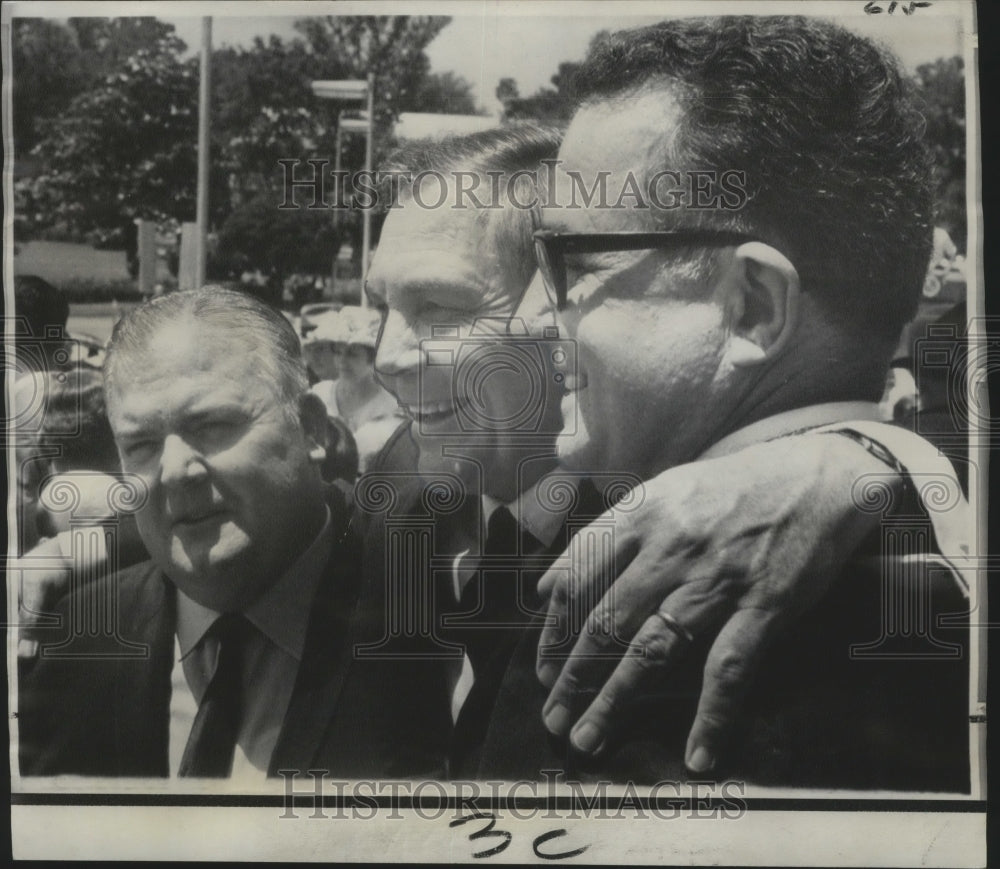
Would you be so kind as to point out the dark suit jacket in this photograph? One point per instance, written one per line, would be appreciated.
(818, 714)
(393, 718)
(105, 711)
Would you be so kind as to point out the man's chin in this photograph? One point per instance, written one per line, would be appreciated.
(219, 578)
(577, 452)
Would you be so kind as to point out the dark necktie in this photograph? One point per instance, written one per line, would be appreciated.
(498, 593)
(212, 743)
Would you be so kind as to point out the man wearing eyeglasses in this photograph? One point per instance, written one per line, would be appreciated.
(701, 333)
(440, 272)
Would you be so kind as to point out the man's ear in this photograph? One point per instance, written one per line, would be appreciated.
(761, 288)
(312, 414)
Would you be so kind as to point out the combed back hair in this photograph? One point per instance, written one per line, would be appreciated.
(273, 350)
(821, 121)
(508, 150)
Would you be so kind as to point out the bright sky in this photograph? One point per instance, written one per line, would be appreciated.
(526, 41)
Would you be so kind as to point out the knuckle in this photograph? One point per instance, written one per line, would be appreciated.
(606, 705)
(727, 669)
(601, 629)
(580, 591)
(571, 686)
(712, 721)
(655, 648)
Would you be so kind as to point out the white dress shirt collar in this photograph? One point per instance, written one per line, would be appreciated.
(792, 421)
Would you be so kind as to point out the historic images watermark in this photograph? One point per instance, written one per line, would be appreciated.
(309, 184)
(552, 797)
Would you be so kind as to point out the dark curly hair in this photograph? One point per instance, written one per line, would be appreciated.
(821, 121)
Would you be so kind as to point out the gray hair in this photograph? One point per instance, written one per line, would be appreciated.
(507, 150)
(277, 352)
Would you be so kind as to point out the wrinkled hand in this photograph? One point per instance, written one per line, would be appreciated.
(733, 547)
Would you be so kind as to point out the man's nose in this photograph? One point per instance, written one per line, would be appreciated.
(398, 349)
(536, 310)
(180, 463)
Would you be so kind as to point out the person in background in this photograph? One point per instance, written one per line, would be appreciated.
(74, 468)
(344, 342)
(40, 312)
(39, 346)
(321, 349)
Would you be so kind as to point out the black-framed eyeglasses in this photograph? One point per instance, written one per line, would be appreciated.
(551, 248)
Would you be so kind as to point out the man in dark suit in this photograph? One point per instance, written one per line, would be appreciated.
(453, 272)
(225, 653)
(712, 329)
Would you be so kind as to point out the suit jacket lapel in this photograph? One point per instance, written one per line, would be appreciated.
(141, 716)
(325, 659)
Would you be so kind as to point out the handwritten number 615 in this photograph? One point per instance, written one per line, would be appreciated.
(873, 8)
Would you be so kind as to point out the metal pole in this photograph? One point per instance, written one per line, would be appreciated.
(367, 225)
(204, 95)
(336, 210)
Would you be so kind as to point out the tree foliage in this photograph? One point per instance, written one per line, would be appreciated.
(108, 108)
(546, 105)
(121, 149)
(260, 235)
(54, 62)
(48, 71)
(941, 86)
(264, 110)
(443, 92)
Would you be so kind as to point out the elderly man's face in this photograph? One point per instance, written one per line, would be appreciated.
(438, 272)
(233, 485)
(649, 334)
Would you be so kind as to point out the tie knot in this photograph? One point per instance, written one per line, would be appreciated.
(501, 533)
(230, 629)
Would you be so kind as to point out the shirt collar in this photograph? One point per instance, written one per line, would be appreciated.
(792, 421)
(281, 613)
(542, 523)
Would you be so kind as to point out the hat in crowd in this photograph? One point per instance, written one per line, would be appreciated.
(350, 325)
(328, 328)
(362, 325)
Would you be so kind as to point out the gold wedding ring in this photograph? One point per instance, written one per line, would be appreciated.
(675, 626)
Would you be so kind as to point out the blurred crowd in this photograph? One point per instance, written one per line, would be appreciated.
(339, 349)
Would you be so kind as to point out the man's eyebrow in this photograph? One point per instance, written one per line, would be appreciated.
(196, 414)
(130, 430)
(136, 426)
(450, 290)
